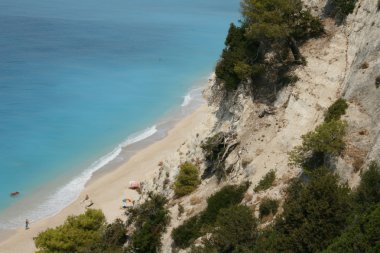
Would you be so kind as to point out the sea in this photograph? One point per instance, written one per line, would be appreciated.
(82, 80)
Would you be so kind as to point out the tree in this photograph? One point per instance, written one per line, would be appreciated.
(314, 213)
(235, 229)
(150, 221)
(362, 236)
(343, 7)
(187, 179)
(75, 235)
(327, 139)
(282, 22)
(368, 192)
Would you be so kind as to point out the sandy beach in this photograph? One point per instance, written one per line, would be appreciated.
(108, 190)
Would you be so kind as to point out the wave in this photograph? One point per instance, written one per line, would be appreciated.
(186, 100)
(71, 191)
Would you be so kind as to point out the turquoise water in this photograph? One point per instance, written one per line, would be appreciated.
(79, 77)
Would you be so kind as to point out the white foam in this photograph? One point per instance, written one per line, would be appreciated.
(71, 191)
(186, 100)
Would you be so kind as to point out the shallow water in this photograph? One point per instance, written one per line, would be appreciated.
(78, 77)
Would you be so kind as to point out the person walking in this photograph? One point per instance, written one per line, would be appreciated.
(26, 224)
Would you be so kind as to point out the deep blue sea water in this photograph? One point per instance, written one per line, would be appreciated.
(78, 77)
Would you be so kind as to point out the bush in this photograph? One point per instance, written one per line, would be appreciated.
(362, 236)
(377, 81)
(266, 182)
(184, 235)
(228, 196)
(150, 220)
(235, 229)
(267, 207)
(315, 212)
(327, 139)
(112, 240)
(336, 110)
(344, 7)
(368, 192)
(76, 235)
(187, 179)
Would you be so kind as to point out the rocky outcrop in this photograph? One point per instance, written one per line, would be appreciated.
(344, 62)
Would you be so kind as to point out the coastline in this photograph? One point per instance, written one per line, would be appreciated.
(108, 187)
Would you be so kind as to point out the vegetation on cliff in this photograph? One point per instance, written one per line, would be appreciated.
(257, 51)
(89, 232)
(187, 179)
(319, 214)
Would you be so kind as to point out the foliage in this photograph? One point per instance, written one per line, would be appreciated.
(195, 227)
(266, 182)
(112, 239)
(268, 206)
(281, 22)
(234, 65)
(266, 241)
(362, 236)
(75, 235)
(228, 196)
(343, 7)
(327, 139)
(187, 179)
(268, 26)
(314, 213)
(368, 192)
(336, 110)
(235, 229)
(185, 234)
(150, 220)
(216, 149)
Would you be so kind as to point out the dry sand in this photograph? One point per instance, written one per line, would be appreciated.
(108, 190)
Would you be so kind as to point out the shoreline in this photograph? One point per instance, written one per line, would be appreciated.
(140, 166)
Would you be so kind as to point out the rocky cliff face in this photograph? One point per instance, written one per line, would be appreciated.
(343, 63)
(361, 83)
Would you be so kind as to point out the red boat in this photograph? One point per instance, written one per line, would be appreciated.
(14, 194)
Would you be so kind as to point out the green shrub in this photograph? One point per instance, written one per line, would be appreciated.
(268, 206)
(336, 110)
(368, 192)
(228, 196)
(112, 240)
(327, 139)
(344, 7)
(362, 236)
(187, 179)
(150, 220)
(235, 229)
(75, 235)
(266, 182)
(184, 235)
(315, 212)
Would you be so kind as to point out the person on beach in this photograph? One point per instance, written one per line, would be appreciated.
(26, 224)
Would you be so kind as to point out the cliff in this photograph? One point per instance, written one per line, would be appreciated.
(344, 63)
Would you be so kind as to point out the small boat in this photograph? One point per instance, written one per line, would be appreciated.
(14, 194)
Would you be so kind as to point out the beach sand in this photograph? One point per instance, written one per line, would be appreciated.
(108, 190)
